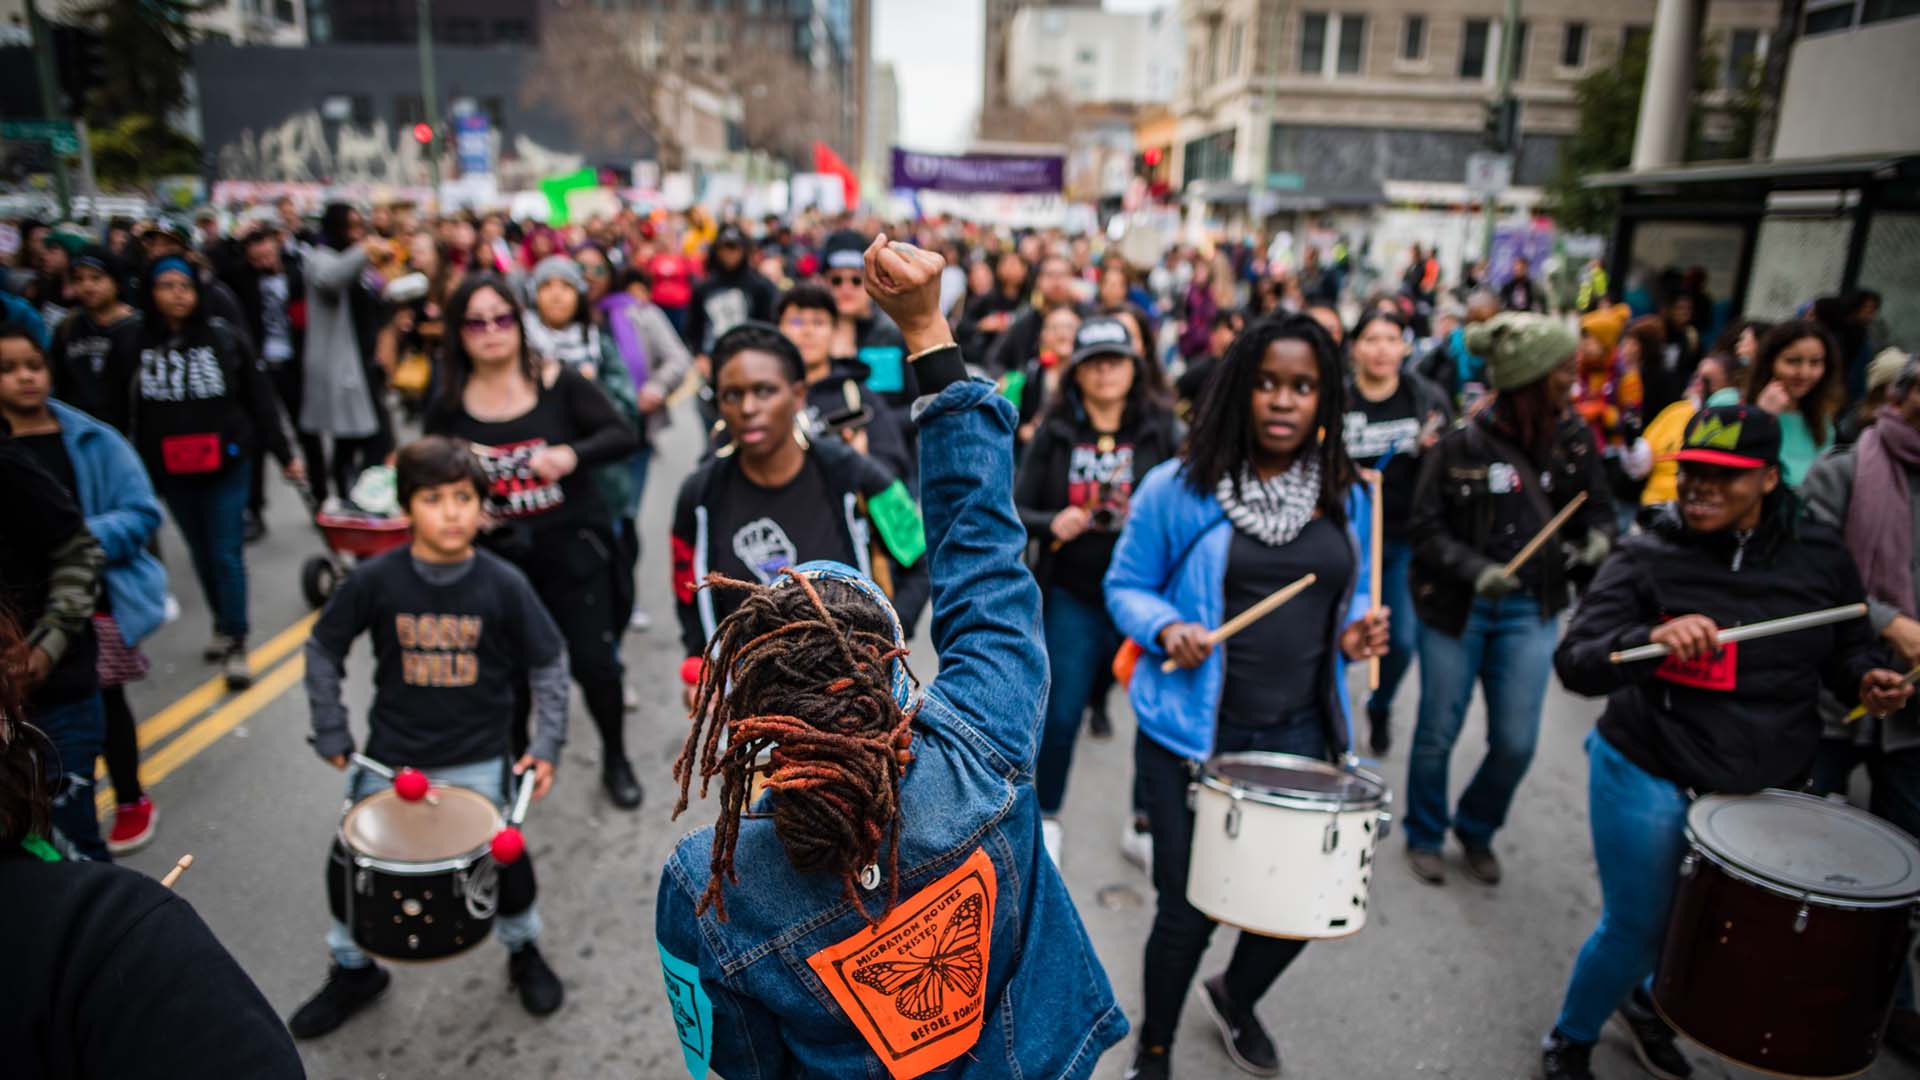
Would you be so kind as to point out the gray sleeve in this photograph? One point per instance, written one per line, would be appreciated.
(325, 703)
(549, 684)
(666, 353)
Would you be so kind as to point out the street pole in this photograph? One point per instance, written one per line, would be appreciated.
(429, 98)
(1509, 37)
(50, 102)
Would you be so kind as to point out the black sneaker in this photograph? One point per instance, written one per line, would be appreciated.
(540, 989)
(348, 990)
(1150, 1063)
(622, 786)
(1652, 1039)
(1381, 735)
(1099, 724)
(1248, 1043)
(1563, 1059)
(256, 528)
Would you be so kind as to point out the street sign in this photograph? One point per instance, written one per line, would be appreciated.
(1489, 174)
(472, 143)
(59, 133)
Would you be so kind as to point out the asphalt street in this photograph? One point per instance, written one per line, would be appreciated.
(1458, 981)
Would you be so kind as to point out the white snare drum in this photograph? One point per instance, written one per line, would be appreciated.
(419, 876)
(1283, 845)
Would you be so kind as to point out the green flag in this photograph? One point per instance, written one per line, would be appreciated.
(555, 188)
(897, 517)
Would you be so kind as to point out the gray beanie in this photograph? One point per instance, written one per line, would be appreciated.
(557, 266)
(1520, 348)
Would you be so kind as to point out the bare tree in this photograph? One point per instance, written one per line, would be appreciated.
(618, 80)
(1047, 119)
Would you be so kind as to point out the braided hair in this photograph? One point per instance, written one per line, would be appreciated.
(26, 781)
(802, 670)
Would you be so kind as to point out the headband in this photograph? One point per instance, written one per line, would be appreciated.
(903, 692)
(171, 264)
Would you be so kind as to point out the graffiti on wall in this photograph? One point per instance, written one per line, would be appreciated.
(305, 148)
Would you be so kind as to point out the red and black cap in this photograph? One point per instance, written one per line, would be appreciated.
(1734, 436)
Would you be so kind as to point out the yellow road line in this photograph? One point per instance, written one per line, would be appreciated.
(217, 723)
(202, 697)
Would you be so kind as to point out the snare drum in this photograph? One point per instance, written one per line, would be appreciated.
(1283, 845)
(420, 880)
(1788, 932)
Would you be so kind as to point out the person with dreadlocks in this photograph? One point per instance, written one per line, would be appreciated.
(872, 908)
(108, 973)
(1262, 495)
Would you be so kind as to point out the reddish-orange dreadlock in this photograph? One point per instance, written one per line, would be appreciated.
(838, 743)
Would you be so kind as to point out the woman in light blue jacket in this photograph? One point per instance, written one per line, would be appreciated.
(1263, 494)
(109, 482)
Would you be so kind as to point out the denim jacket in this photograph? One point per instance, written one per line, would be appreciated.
(767, 993)
(1146, 592)
(122, 513)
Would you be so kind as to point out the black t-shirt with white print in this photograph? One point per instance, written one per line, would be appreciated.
(1375, 427)
(1100, 478)
(755, 532)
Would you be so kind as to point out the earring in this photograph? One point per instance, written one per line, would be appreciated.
(1320, 434)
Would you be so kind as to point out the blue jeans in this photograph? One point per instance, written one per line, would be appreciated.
(1895, 796)
(1639, 838)
(1508, 648)
(1397, 596)
(484, 777)
(78, 730)
(1080, 638)
(212, 515)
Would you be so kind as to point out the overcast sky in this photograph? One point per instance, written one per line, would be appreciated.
(935, 50)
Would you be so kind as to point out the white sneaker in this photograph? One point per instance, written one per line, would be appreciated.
(1136, 846)
(629, 697)
(1050, 836)
(640, 622)
(171, 611)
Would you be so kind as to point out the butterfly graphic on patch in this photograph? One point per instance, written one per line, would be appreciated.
(919, 984)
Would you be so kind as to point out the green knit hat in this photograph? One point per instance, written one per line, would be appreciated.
(1520, 349)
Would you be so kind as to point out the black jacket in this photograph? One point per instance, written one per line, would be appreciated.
(849, 477)
(1019, 344)
(245, 416)
(244, 280)
(1749, 719)
(1040, 488)
(108, 973)
(887, 433)
(758, 297)
(1460, 525)
(977, 344)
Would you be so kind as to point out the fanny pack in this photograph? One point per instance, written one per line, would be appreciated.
(188, 455)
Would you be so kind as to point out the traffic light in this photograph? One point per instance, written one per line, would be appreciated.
(423, 133)
(1501, 126)
(80, 64)
(1153, 156)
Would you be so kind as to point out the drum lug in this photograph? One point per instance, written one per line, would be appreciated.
(1233, 817)
(1800, 919)
(1193, 790)
(1331, 839)
(1386, 827)
(1689, 864)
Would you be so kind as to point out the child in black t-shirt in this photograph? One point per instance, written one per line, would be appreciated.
(451, 627)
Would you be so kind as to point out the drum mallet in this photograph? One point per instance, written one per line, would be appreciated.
(173, 875)
(409, 783)
(1251, 615)
(1785, 625)
(1546, 531)
(508, 845)
(1908, 679)
(1373, 546)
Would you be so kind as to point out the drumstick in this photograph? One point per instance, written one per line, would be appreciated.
(1908, 679)
(1786, 624)
(179, 868)
(1251, 615)
(1373, 484)
(1552, 526)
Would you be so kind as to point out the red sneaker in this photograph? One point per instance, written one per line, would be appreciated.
(132, 826)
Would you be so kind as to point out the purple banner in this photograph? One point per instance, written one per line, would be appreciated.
(1003, 173)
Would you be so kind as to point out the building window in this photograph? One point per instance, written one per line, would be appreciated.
(1826, 17)
(1743, 59)
(1413, 38)
(1636, 38)
(1519, 66)
(1209, 157)
(1313, 42)
(408, 110)
(1353, 40)
(1573, 46)
(1233, 49)
(1473, 48)
(1085, 56)
(1213, 58)
(1882, 10)
(512, 31)
(355, 109)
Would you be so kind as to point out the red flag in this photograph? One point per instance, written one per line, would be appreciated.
(826, 161)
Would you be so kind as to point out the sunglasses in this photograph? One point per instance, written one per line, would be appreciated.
(501, 323)
(837, 280)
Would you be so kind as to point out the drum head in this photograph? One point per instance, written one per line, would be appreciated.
(1289, 776)
(1808, 845)
(385, 826)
